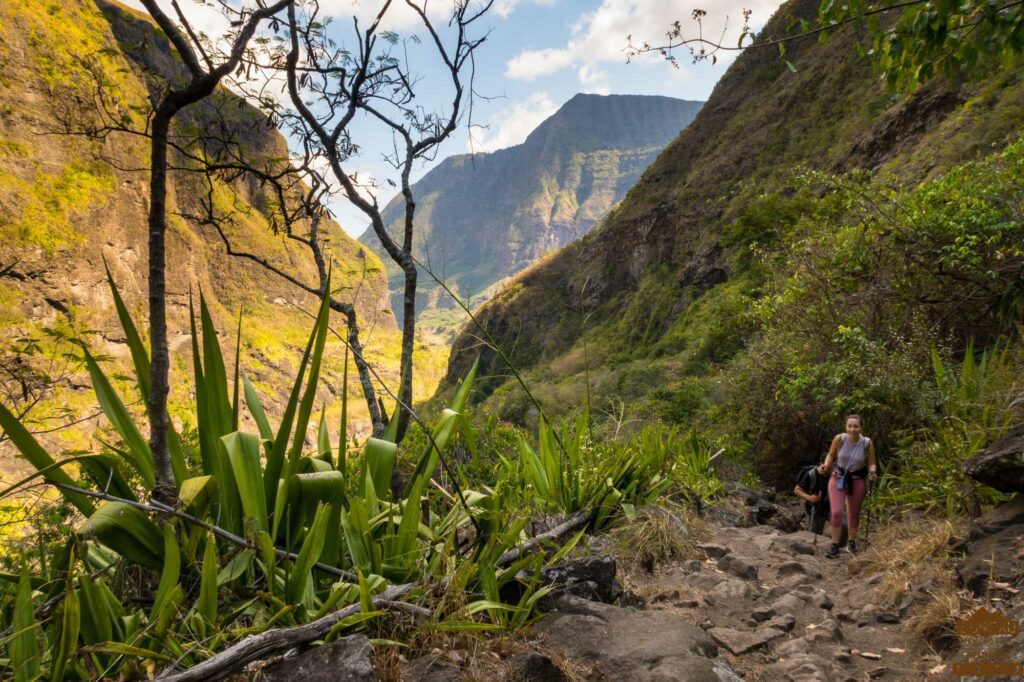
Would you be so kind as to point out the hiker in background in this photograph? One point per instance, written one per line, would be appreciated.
(852, 463)
(812, 488)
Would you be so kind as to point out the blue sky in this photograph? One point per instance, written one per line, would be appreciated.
(538, 55)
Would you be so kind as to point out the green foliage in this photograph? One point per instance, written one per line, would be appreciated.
(310, 535)
(977, 404)
(692, 471)
(931, 38)
(569, 470)
(859, 287)
(41, 211)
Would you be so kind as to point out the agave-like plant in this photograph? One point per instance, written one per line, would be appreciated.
(570, 473)
(264, 534)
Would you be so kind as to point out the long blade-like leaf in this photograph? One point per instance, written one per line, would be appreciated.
(70, 622)
(379, 464)
(127, 531)
(252, 401)
(24, 646)
(236, 384)
(31, 450)
(206, 604)
(140, 359)
(244, 454)
(312, 546)
(323, 486)
(141, 458)
(323, 441)
(343, 432)
(171, 571)
(305, 407)
(275, 458)
(98, 622)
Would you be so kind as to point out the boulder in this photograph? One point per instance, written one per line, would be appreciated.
(633, 646)
(785, 623)
(1000, 465)
(739, 565)
(739, 642)
(426, 669)
(800, 667)
(759, 509)
(723, 517)
(992, 548)
(534, 667)
(713, 551)
(729, 590)
(346, 658)
(797, 567)
(592, 578)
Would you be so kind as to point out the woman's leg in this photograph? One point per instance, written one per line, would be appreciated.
(835, 501)
(858, 491)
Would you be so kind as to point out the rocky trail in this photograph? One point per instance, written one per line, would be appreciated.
(756, 602)
(761, 604)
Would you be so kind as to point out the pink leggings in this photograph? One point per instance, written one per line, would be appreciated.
(858, 489)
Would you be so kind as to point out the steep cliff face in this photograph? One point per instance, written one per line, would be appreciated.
(639, 273)
(484, 217)
(69, 204)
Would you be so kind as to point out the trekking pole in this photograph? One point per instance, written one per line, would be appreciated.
(870, 505)
(814, 526)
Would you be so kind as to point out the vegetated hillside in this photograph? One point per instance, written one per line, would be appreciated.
(734, 289)
(68, 204)
(483, 217)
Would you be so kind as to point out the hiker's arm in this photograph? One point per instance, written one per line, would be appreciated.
(872, 462)
(830, 458)
(804, 495)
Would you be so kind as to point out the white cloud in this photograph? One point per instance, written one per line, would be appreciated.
(594, 80)
(204, 19)
(503, 8)
(511, 126)
(600, 36)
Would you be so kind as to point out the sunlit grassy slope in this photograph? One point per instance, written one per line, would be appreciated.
(68, 203)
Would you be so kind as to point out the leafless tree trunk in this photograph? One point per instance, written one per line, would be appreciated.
(203, 79)
(330, 85)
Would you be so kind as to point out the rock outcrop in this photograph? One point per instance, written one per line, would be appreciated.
(994, 550)
(1000, 465)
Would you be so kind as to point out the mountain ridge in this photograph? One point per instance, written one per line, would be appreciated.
(646, 277)
(528, 199)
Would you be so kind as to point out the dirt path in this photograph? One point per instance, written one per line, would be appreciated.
(761, 605)
(779, 609)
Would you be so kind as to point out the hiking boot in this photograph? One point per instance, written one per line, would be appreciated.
(833, 551)
(851, 546)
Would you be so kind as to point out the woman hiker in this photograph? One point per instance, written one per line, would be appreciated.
(851, 459)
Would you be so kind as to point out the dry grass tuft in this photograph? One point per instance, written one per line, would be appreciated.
(936, 619)
(904, 552)
(658, 534)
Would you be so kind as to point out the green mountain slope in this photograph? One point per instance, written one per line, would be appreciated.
(484, 217)
(68, 204)
(670, 285)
